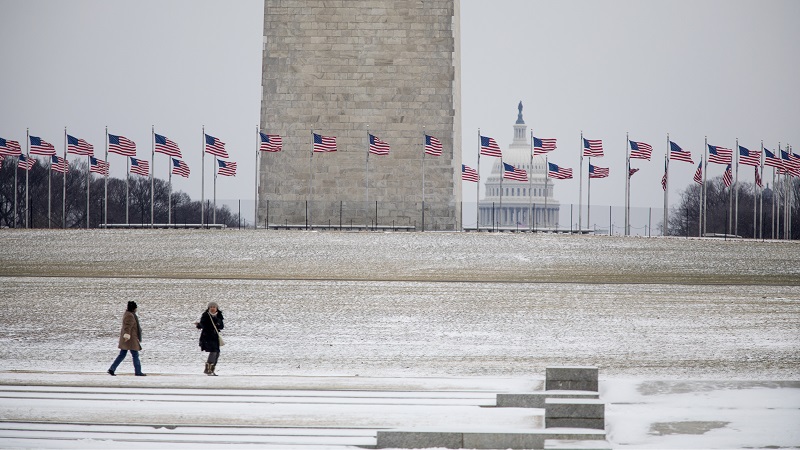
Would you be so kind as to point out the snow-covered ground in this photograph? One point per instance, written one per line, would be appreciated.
(697, 340)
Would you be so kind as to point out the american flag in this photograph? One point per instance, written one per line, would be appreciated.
(664, 178)
(98, 166)
(489, 147)
(543, 145)
(167, 147)
(227, 168)
(592, 147)
(41, 147)
(121, 145)
(632, 171)
(758, 178)
(324, 143)
(553, 171)
(140, 167)
(727, 177)
(719, 155)
(25, 163)
(513, 173)
(749, 157)
(794, 164)
(698, 174)
(77, 146)
(597, 172)
(432, 146)
(640, 150)
(771, 161)
(377, 146)
(469, 174)
(677, 153)
(180, 168)
(270, 142)
(215, 147)
(786, 163)
(58, 164)
(9, 147)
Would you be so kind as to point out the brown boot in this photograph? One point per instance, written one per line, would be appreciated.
(206, 371)
(211, 370)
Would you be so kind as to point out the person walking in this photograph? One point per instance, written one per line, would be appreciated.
(130, 337)
(211, 322)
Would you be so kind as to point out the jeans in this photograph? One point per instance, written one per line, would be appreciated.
(213, 357)
(137, 365)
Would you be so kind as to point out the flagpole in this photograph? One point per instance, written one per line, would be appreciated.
(27, 157)
(127, 186)
(774, 193)
(666, 187)
(588, 197)
(757, 190)
(478, 187)
(255, 211)
(423, 178)
(152, 172)
(216, 169)
(16, 169)
(366, 209)
(736, 211)
(627, 184)
(733, 226)
(89, 180)
(546, 171)
(64, 184)
(580, 186)
(203, 178)
(169, 198)
(530, 188)
(49, 191)
(310, 171)
(700, 200)
(105, 187)
(705, 189)
(502, 175)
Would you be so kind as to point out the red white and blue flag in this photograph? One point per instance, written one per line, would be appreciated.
(489, 147)
(592, 147)
(226, 168)
(377, 146)
(180, 168)
(98, 166)
(794, 164)
(543, 145)
(664, 178)
(167, 147)
(215, 147)
(432, 146)
(121, 145)
(323, 144)
(41, 147)
(640, 150)
(719, 155)
(727, 177)
(597, 172)
(676, 153)
(561, 173)
(26, 163)
(77, 146)
(270, 142)
(771, 160)
(140, 167)
(514, 173)
(758, 178)
(786, 163)
(632, 171)
(9, 147)
(698, 174)
(469, 174)
(58, 164)
(749, 157)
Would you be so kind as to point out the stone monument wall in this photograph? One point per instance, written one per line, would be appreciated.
(346, 69)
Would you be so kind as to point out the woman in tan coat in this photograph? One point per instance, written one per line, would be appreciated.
(130, 337)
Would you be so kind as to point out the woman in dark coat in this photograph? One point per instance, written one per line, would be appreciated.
(130, 337)
(211, 322)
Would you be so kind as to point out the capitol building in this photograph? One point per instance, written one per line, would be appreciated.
(519, 204)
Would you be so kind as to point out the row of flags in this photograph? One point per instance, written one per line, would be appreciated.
(786, 163)
(123, 146)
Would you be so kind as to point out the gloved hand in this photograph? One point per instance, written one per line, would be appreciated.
(126, 336)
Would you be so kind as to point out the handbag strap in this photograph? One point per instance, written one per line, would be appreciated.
(212, 323)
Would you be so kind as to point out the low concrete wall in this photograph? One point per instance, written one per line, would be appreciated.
(574, 413)
(571, 378)
(536, 399)
(500, 439)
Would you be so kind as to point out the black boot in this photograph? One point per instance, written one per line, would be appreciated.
(211, 370)
(206, 371)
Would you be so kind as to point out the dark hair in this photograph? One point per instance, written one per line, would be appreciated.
(131, 306)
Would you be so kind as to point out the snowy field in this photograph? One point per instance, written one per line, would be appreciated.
(697, 340)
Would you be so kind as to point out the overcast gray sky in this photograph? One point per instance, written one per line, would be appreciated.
(725, 69)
